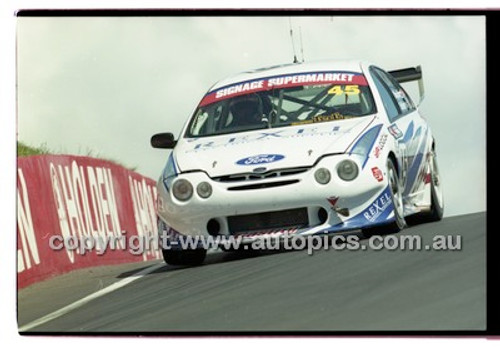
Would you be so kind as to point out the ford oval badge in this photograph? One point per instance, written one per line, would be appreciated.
(259, 159)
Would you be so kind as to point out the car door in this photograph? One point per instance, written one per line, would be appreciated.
(406, 126)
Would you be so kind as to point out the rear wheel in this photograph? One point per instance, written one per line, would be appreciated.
(397, 201)
(184, 257)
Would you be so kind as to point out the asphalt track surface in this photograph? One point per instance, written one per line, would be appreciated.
(292, 292)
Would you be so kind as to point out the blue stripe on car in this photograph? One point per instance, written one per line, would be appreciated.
(365, 143)
(378, 212)
(408, 134)
(165, 175)
(415, 166)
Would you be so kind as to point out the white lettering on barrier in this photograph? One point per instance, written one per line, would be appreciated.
(74, 214)
(143, 200)
(60, 208)
(29, 248)
(76, 217)
(96, 204)
(113, 210)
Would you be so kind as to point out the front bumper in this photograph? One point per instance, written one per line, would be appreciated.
(366, 198)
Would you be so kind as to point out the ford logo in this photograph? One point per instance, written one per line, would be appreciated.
(259, 159)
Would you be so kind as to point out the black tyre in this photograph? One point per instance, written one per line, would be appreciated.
(437, 201)
(184, 257)
(397, 200)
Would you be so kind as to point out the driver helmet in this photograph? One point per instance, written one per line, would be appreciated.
(246, 109)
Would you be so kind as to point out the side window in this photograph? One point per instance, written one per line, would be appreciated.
(387, 99)
(403, 100)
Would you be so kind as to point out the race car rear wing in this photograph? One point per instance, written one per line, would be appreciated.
(409, 75)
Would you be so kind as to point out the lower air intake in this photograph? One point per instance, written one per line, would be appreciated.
(268, 220)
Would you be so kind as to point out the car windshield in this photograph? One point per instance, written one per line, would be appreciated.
(282, 101)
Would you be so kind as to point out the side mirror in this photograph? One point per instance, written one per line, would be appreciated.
(163, 141)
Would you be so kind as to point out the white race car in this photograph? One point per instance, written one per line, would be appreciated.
(299, 149)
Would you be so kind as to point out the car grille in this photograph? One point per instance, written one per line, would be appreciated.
(268, 220)
(263, 185)
(258, 176)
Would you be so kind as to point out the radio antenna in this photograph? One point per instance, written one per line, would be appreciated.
(293, 43)
(301, 46)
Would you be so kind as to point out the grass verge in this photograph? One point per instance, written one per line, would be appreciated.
(24, 150)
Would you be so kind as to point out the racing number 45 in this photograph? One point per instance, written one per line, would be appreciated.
(347, 89)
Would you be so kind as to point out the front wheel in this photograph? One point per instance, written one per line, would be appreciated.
(397, 201)
(436, 210)
(437, 202)
(184, 257)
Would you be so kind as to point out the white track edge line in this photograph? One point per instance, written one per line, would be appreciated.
(64, 310)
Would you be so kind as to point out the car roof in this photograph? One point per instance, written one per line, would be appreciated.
(292, 68)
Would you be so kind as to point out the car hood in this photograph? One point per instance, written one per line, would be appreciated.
(268, 149)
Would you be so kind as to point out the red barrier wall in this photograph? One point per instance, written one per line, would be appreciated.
(84, 201)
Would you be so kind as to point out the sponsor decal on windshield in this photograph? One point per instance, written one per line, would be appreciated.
(286, 81)
(259, 159)
(323, 118)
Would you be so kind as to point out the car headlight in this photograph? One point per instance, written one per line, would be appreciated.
(204, 189)
(322, 175)
(182, 190)
(347, 170)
